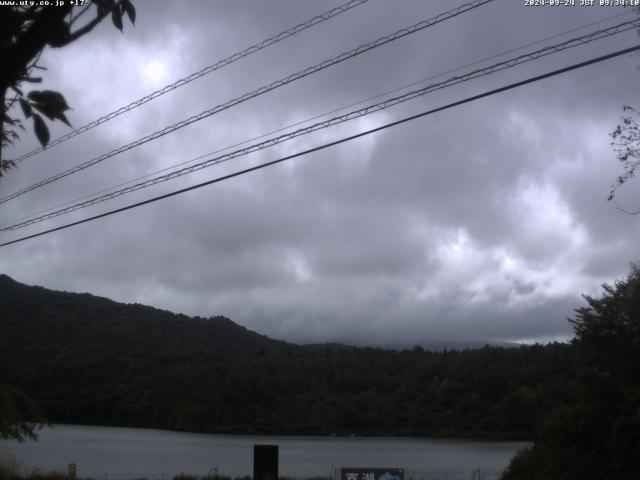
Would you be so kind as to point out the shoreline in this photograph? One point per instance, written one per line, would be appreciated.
(472, 436)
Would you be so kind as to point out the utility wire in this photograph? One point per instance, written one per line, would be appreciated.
(264, 89)
(336, 142)
(599, 34)
(315, 117)
(205, 71)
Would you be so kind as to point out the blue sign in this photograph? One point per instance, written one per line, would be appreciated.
(352, 473)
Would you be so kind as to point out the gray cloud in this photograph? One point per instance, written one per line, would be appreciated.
(482, 223)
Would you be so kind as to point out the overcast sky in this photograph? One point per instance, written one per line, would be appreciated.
(483, 223)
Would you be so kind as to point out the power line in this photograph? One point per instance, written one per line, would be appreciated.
(201, 73)
(340, 119)
(336, 142)
(264, 89)
(574, 42)
(315, 117)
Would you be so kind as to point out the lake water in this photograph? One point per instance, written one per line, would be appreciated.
(125, 453)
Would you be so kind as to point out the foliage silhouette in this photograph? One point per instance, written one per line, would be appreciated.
(25, 31)
(595, 431)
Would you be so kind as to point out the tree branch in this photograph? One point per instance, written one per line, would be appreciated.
(84, 30)
(624, 210)
(82, 12)
(16, 56)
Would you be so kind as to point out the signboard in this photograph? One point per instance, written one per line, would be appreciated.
(265, 462)
(72, 470)
(353, 473)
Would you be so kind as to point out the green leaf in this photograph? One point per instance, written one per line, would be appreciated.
(130, 10)
(62, 117)
(51, 104)
(42, 132)
(45, 110)
(26, 108)
(116, 18)
(51, 114)
(102, 10)
(103, 6)
(54, 100)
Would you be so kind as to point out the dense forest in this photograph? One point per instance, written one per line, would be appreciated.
(87, 359)
(580, 402)
(491, 391)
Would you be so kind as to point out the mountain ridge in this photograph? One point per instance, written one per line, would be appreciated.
(37, 323)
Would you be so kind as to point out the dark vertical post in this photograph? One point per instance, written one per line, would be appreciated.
(71, 474)
(265, 462)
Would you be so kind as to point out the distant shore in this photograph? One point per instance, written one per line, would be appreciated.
(473, 436)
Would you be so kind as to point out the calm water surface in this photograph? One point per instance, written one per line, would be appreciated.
(119, 453)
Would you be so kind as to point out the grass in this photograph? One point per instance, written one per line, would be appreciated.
(12, 469)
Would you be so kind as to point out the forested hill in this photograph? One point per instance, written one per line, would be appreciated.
(579, 401)
(41, 324)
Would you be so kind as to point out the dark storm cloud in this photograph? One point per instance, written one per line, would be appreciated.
(482, 223)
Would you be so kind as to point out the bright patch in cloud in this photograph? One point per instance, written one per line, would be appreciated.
(156, 72)
(298, 265)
